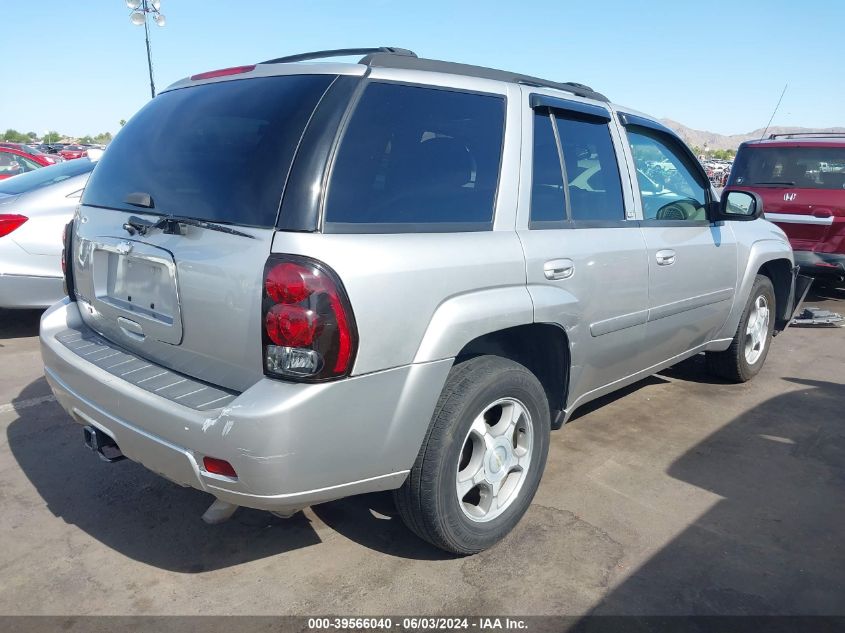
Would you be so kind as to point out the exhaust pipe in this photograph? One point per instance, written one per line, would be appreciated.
(102, 444)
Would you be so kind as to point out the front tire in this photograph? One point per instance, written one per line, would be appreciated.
(482, 458)
(750, 345)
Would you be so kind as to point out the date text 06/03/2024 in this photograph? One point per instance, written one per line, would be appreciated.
(418, 623)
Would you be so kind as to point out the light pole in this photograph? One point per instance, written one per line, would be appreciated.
(140, 10)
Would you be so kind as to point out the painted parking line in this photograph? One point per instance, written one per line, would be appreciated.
(25, 404)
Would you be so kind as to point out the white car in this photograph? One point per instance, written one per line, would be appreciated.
(34, 208)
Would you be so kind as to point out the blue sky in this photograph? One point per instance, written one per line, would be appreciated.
(79, 66)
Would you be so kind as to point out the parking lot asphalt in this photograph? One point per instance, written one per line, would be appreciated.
(679, 495)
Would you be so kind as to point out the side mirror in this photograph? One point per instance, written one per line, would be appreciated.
(740, 205)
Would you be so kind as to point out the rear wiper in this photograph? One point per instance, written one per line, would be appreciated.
(784, 183)
(171, 225)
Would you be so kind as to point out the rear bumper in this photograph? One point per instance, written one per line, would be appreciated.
(820, 264)
(27, 291)
(292, 445)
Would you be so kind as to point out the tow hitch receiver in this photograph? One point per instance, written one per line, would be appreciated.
(102, 444)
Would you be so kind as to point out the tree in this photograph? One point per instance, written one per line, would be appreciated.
(52, 137)
(723, 154)
(86, 139)
(103, 138)
(122, 122)
(32, 136)
(13, 136)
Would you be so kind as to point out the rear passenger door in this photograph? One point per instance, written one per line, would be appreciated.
(585, 255)
(692, 261)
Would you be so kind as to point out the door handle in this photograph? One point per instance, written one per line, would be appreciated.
(665, 258)
(559, 269)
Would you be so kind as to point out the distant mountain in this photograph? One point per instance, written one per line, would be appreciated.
(698, 138)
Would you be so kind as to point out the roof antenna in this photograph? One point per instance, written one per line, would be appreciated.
(763, 135)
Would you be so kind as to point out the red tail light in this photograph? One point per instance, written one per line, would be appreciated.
(219, 467)
(308, 329)
(9, 222)
(223, 72)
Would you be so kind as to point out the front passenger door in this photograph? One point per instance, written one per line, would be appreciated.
(692, 261)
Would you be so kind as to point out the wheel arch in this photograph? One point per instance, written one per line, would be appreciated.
(770, 255)
(779, 272)
(542, 348)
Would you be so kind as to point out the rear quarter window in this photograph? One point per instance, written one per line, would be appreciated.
(417, 158)
(218, 152)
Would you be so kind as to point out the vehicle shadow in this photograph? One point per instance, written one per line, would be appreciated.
(605, 400)
(132, 510)
(19, 323)
(371, 520)
(150, 519)
(825, 291)
(693, 369)
(772, 544)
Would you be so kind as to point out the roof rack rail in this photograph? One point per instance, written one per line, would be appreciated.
(394, 57)
(387, 60)
(808, 134)
(341, 52)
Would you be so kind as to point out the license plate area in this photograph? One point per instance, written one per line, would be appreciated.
(135, 284)
(135, 290)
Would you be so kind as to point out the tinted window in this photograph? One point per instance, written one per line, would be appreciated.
(547, 198)
(418, 155)
(595, 190)
(46, 176)
(28, 164)
(804, 167)
(217, 152)
(26, 149)
(9, 164)
(669, 183)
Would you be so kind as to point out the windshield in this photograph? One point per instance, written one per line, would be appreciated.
(800, 167)
(45, 176)
(219, 152)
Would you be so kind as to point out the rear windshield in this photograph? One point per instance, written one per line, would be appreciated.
(218, 152)
(800, 167)
(45, 176)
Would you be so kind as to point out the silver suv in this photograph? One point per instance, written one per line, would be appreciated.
(294, 282)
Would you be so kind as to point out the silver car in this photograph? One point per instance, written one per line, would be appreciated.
(34, 208)
(294, 282)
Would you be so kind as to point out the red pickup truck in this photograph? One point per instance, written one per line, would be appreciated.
(801, 178)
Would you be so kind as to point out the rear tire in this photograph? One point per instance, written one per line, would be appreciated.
(750, 345)
(482, 458)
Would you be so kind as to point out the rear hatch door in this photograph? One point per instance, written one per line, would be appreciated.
(802, 184)
(806, 215)
(177, 221)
